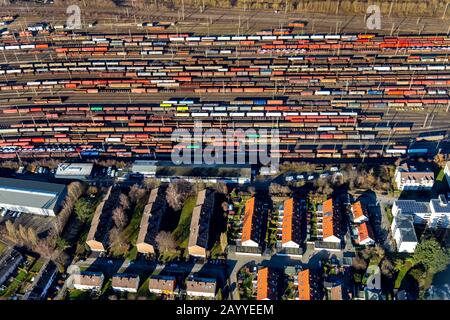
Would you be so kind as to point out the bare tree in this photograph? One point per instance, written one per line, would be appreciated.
(136, 193)
(177, 192)
(277, 189)
(221, 187)
(165, 241)
(151, 183)
(119, 218)
(124, 201)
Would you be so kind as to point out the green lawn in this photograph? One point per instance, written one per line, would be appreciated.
(78, 295)
(2, 247)
(440, 176)
(389, 214)
(167, 256)
(181, 232)
(402, 273)
(15, 284)
(143, 289)
(37, 266)
(131, 232)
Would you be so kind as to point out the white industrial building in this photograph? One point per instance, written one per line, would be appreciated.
(145, 167)
(404, 234)
(447, 172)
(435, 213)
(35, 197)
(77, 171)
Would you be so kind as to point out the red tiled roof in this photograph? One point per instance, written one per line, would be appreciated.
(248, 220)
(262, 284)
(288, 216)
(304, 288)
(327, 220)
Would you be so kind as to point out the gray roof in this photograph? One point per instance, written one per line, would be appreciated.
(144, 166)
(412, 206)
(440, 205)
(30, 193)
(74, 170)
(406, 227)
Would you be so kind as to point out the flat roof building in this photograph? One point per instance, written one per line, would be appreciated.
(151, 221)
(200, 222)
(35, 197)
(447, 172)
(77, 171)
(145, 167)
(403, 232)
(435, 213)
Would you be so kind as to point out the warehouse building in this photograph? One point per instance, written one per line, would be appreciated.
(76, 171)
(144, 167)
(35, 197)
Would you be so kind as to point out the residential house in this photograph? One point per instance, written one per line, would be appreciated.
(328, 222)
(98, 235)
(201, 287)
(365, 234)
(303, 282)
(151, 221)
(409, 178)
(9, 262)
(289, 216)
(267, 284)
(200, 224)
(42, 282)
(125, 283)
(435, 213)
(88, 281)
(334, 290)
(251, 226)
(358, 214)
(162, 284)
(402, 229)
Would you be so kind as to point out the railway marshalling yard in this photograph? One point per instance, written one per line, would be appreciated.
(333, 88)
